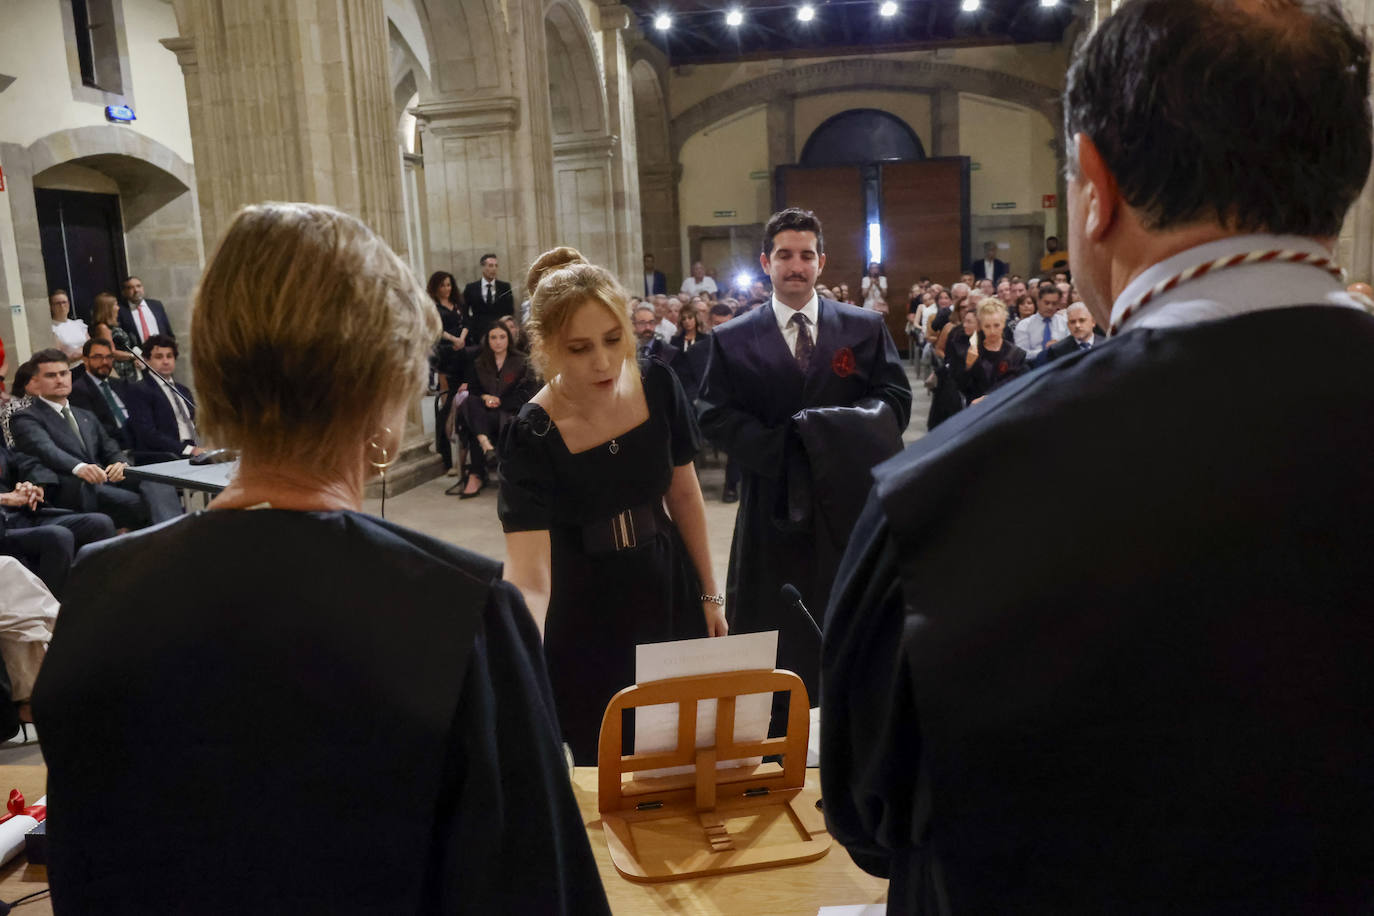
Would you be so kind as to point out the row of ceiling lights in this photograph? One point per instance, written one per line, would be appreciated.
(734, 17)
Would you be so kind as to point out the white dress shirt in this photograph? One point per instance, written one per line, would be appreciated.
(488, 289)
(184, 430)
(1030, 332)
(70, 334)
(784, 313)
(1235, 290)
(148, 316)
(648, 283)
(694, 287)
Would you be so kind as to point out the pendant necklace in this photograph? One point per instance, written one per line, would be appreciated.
(615, 447)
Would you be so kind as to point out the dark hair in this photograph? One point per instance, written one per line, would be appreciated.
(483, 258)
(58, 290)
(95, 342)
(720, 308)
(1051, 238)
(50, 355)
(160, 340)
(1257, 119)
(435, 279)
(125, 281)
(22, 376)
(1046, 285)
(796, 219)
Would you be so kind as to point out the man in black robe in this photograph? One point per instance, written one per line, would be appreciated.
(1166, 706)
(766, 373)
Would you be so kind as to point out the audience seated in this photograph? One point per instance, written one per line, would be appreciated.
(1082, 335)
(164, 424)
(86, 463)
(691, 341)
(501, 381)
(1046, 326)
(650, 344)
(21, 396)
(286, 652)
(93, 389)
(105, 326)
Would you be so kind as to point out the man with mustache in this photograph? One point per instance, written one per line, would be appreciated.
(773, 376)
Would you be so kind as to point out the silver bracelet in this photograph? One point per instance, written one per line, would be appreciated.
(718, 600)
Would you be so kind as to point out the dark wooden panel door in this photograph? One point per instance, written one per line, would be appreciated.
(836, 195)
(925, 208)
(82, 236)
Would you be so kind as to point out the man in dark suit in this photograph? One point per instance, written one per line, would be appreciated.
(88, 466)
(654, 281)
(163, 424)
(990, 268)
(649, 343)
(1082, 337)
(107, 398)
(43, 538)
(1167, 707)
(487, 299)
(139, 317)
(766, 370)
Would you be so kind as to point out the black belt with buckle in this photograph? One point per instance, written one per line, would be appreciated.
(624, 530)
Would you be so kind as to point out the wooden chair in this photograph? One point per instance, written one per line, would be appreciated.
(710, 821)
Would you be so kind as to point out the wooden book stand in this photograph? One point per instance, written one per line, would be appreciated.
(710, 821)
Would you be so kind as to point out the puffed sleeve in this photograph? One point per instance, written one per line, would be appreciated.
(525, 501)
(663, 388)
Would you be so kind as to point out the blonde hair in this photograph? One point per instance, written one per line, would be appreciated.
(991, 306)
(308, 333)
(559, 282)
(105, 310)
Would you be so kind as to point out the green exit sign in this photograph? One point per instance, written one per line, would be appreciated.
(1004, 205)
(723, 214)
(762, 173)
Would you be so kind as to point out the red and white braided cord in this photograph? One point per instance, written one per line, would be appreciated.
(1235, 260)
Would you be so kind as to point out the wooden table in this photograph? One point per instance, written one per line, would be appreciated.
(831, 880)
(19, 877)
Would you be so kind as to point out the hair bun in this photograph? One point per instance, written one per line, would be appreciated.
(548, 262)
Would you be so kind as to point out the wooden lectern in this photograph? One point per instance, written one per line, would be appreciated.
(710, 821)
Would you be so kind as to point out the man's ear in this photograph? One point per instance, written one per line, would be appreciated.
(820, 264)
(1104, 201)
(763, 262)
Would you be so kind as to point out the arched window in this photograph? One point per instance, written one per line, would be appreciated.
(860, 136)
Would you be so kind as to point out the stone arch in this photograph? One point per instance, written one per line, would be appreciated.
(469, 46)
(582, 147)
(858, 73)
(859, 136)
(158, 204)
(658, 175)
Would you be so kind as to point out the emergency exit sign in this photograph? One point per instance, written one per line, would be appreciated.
(1049, 201)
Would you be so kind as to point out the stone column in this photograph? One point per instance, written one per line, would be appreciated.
(782, 133)
(290, 100)
(944, 122)
(628, 246)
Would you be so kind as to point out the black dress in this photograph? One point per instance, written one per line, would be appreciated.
(605, 601)
(450, 359)
(305, 712)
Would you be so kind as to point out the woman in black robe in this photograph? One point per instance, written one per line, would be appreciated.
(605, 525)
(282, 704)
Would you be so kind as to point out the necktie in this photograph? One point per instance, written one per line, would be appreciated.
(490, 293)
(1045, 339)
(184, 416)
(71, 421)
(1084, 345)
(115, 409)
(806, 346)
(143, 323)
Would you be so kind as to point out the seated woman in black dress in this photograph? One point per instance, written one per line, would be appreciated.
(282, 704)
(500, 383)
(994, 361)
(588, 469)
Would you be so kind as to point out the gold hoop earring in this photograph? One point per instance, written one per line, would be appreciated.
(376, 447)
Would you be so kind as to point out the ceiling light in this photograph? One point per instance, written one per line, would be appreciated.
(663, 22)
(734, 18)
(971, 6)
(806, 13)
(888, 9)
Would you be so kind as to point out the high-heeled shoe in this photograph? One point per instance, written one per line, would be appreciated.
(492, 459)
(466, 495)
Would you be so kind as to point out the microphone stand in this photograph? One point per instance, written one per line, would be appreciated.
(155, 374)
(213, 456)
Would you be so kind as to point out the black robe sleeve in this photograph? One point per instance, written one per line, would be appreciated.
(513, 840)
(735, 430)
(870, 740)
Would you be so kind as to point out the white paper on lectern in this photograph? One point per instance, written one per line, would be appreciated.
(656, 726)
(863, 909)
(13, 831)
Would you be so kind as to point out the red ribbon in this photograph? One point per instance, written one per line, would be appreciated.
(843, 363)
(15, 806)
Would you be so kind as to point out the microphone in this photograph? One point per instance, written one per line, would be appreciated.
(794, 599)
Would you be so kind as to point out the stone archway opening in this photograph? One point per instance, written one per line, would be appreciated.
(860, 136)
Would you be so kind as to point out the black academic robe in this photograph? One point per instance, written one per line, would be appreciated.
(303, 712)
(752, 391)
(1162, 701)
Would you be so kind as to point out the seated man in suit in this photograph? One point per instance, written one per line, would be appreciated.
(163, 423)
(1082, 334)
(990, 268)
(43, 538)
(71, 444)
(487, 299)
(650, 344)
(139, 317)
(96, 391)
